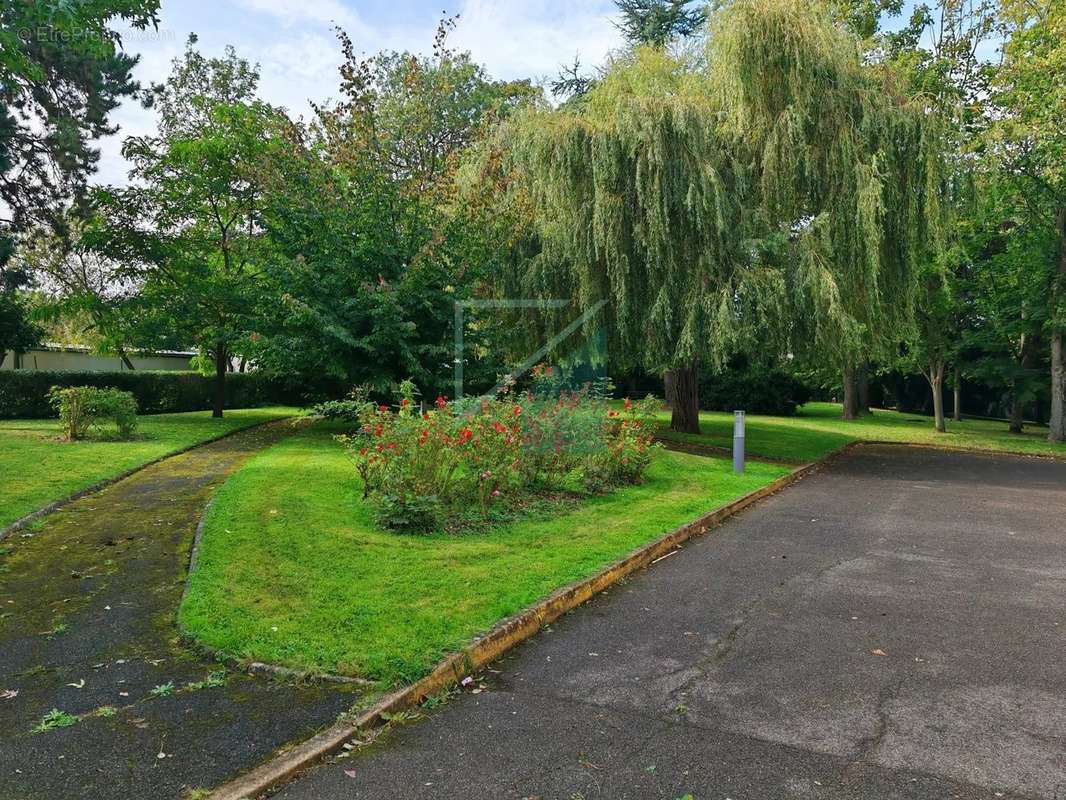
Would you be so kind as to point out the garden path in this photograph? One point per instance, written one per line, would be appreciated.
(88, 598)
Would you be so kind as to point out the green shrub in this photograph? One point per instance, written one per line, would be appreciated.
(346, 410)
(461, 462)
(755, 389)
(24, 393)
(82, 408)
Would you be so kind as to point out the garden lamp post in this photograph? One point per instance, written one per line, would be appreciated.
(738, 441)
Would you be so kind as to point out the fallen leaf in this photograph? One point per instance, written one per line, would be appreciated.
(9, 694)
(878, 652)
(79, 685)
(350, 773)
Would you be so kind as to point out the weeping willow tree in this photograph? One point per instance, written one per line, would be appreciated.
(640, 203)
(847, 166)
(775, 197)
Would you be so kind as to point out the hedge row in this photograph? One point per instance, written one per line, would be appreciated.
(24, 393)
(755, 390)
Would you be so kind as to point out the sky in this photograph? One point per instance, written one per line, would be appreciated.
(294, 43)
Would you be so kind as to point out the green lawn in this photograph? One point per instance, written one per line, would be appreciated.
(817, 429)
(291, 569)
(39, 468)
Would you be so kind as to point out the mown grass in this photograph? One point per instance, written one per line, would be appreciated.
(291, 569)
(38, 467)
(817, 429)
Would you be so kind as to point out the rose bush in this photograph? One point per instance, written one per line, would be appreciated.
(426, 469)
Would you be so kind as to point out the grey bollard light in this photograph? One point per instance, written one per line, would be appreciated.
(738, 441)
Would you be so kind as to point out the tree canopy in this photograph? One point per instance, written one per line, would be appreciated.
(782, 193)
(62, 72)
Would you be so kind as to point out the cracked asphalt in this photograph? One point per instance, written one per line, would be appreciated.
(891, 627)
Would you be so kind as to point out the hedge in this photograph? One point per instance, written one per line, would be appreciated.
(24, 393)
(757, 390)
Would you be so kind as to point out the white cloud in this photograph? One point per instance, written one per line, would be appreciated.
(532, 39)
(302, 13)
(294, 44)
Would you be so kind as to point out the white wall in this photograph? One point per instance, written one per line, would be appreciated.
(68, 360)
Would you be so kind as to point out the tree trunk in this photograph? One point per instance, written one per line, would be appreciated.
(1058, 390)
(1027, 351)
(3, 356)
(684, 400)
(221, 363)
(1058, 367)
(936, 383)
(851, 395)
(957, 408)
(863, 382)
(1017, 413)
(668, 389)
(126, 360)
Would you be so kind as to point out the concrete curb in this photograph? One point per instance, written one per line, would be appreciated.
(22, 522)
(487, 648)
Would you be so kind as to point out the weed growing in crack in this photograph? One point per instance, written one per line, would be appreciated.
(57, 630)
(54, 720)
(212, 681)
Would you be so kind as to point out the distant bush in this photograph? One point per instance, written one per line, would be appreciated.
(757, 390)
(82, 408)
(346, 410)
(24, 393)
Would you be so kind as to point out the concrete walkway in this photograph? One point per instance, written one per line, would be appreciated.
(88, 599)
(893, 627)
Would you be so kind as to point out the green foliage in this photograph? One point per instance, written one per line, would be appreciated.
(62, 71)
(658, 22)
(817, 429)
(84, 297)
(54, 720)
(415, 599)
(753, 388)
(347, 410)
(17, 330)
(213, 681)
(1027, 147)
(779, 196)
(82, 408)
(848, 167)
(24, 393)
(187, 232)
(463, 461)
(368, 249)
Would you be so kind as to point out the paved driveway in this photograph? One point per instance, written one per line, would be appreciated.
(893, 627)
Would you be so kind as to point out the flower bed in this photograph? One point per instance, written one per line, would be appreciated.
(458, 463)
